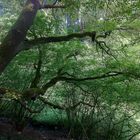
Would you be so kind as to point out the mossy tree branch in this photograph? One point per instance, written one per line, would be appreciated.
(55, 39)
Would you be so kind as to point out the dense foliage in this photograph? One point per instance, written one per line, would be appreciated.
(90, 86)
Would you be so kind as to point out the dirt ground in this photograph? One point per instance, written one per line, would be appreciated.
(7, 132)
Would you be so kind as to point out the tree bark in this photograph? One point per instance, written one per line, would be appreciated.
(55, 39)
(11, 44)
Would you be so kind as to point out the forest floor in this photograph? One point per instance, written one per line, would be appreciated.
(7, 132)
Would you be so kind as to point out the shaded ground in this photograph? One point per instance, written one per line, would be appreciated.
(7, 132)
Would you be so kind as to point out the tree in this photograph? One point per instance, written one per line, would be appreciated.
(87, 58)
(9, 47)
(12, 44)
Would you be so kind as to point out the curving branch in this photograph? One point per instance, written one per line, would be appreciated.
(34, 93)
(62, 107)
(106, 75)
(61, 77)
(51, 104)
(54, 39)
(37, 67)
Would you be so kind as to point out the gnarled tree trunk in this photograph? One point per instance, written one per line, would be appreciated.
(12, 42)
